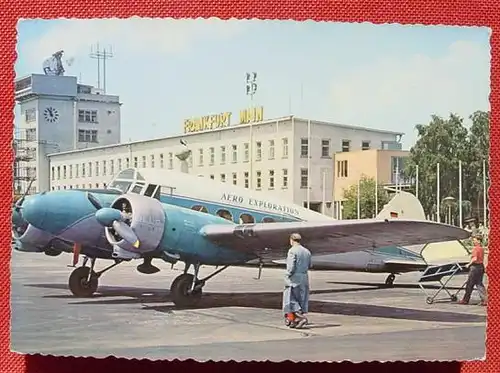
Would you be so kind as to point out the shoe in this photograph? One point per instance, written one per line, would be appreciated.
(463, 302)
(301, 323)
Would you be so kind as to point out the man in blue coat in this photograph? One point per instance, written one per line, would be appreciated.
(296, 293)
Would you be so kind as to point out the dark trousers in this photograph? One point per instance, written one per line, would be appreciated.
(476, 273)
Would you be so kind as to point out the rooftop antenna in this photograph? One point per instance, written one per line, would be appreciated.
(98, 54)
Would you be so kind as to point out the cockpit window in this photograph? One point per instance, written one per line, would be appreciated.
(136, 189)
(120, 185)
(126, 174)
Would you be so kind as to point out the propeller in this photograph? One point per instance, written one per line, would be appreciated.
(19, 225)
(116, 219)
(19, 202)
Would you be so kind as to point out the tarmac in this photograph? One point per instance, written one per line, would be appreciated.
(353, 317)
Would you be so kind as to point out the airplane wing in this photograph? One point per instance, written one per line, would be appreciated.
(329, 237)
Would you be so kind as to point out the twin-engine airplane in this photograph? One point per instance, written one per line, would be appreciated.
(135, 219)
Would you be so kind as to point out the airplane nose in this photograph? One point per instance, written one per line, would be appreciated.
(34, 210)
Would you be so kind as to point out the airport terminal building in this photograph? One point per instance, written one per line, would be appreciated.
(288, 155)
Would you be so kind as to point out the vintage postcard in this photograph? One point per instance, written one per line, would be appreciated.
(250, 190)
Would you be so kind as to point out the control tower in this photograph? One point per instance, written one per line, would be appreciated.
(58, 114)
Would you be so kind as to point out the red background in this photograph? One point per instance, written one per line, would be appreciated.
(447, 12)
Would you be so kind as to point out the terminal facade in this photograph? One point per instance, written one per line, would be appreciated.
(291, 156)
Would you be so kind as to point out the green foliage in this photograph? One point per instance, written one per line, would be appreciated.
(367, 199)
(448, 141)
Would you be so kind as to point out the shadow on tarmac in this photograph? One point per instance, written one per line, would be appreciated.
(264, 300)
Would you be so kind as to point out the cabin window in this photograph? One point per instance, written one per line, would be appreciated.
(225, 214)
(199, 208)
(246, 219)
(268, 220)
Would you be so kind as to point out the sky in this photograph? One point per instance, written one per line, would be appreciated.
(379, 76)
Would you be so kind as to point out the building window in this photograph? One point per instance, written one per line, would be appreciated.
(284, 147)
(304, 147)
(31, 134)
(161, 161)
(53, 173)
(342, 169)
(222, 155)
(284, 173)
(90, 169)
(259, 179)
(245, 152)
(271, 149)
(76, 170)
(365, 145)
(104, 171)
(31, 174)
(200, 157)
(127, 162)
(152, 160)
(397, 165)
(246, 181)
(325, 148)
(87, 116)
(112, 167)
(119, 164)
(212, 177)
(135, 162)
(143, 161)
(235, 153)
(258, 151)
(223, 178)
(212, 156)
(235, 178)
(97, 168)
(346, 145)
(170, 160)
(70, 171)
(304, 176)
(58, 172)
(391, 145)
(83, 169)
(87, 135)
(30, 115)
(271, 179)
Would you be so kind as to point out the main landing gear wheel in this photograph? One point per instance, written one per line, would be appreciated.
(181, 292)
(79, 282)
(389, 281)
(429, 300)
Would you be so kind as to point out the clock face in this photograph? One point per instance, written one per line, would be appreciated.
(51, 114)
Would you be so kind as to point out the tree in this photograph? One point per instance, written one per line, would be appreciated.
(367, 199)
(448, 141)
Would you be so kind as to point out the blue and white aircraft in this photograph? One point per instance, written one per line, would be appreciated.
(193, 220)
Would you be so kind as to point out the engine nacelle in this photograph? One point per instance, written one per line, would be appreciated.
(147, 220)
(31, 239)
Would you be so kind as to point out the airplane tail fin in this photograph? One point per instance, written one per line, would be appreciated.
(403, 205)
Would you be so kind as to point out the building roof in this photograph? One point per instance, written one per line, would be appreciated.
(232, 127)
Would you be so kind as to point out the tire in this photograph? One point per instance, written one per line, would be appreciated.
(78, 282)
(180, 291)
